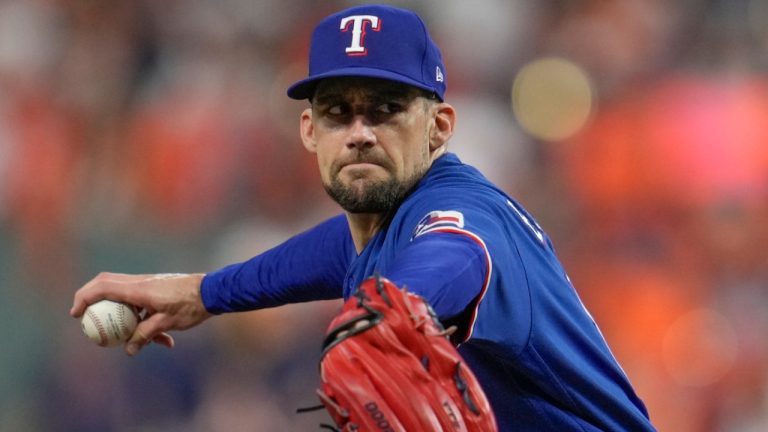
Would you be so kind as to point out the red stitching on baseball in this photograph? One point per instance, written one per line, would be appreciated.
(99, 327)
(121, 320)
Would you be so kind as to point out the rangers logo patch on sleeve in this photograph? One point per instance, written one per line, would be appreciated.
(438, 219)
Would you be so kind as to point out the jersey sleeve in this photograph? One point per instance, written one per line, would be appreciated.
(308, 266)
(447, 260)
(447, 269)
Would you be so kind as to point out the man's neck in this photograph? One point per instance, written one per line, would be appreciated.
(363, 227)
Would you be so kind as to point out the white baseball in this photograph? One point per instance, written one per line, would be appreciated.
(109, 323)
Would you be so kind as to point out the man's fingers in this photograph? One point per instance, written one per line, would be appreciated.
(149, 330)
(112, 286)
(165, 340)
(165, 301)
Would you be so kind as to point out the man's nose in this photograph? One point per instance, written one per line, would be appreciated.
(361, 133)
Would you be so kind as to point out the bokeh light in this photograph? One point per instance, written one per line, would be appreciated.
(552, 98)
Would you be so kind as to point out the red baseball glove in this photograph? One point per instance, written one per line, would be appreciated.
(388, 365)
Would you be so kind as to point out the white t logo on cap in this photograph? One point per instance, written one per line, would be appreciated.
(358, 31)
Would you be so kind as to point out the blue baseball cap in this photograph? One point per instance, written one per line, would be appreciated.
(373, 41)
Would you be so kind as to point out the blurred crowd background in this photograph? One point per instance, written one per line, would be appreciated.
(155, 136)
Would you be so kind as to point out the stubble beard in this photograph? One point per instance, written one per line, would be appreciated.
(369, 196)
(364, 195)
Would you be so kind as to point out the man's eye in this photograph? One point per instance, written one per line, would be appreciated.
(388, 108)
(335, 110)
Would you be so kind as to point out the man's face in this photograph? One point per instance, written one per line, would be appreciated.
(372, 141)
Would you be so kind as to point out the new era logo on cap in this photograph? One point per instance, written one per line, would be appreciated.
(373, 41)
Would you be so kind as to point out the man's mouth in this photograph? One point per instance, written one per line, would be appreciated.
(362, 163)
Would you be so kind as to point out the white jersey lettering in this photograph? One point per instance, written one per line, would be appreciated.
(531, 225)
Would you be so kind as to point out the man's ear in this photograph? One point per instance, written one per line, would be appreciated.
(445, 121)
(307, 130)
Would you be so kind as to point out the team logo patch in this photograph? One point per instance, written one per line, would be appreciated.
(438, 219)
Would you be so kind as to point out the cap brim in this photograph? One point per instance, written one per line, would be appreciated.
(305, 88)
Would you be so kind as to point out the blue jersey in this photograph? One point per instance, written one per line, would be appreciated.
(485, 265)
